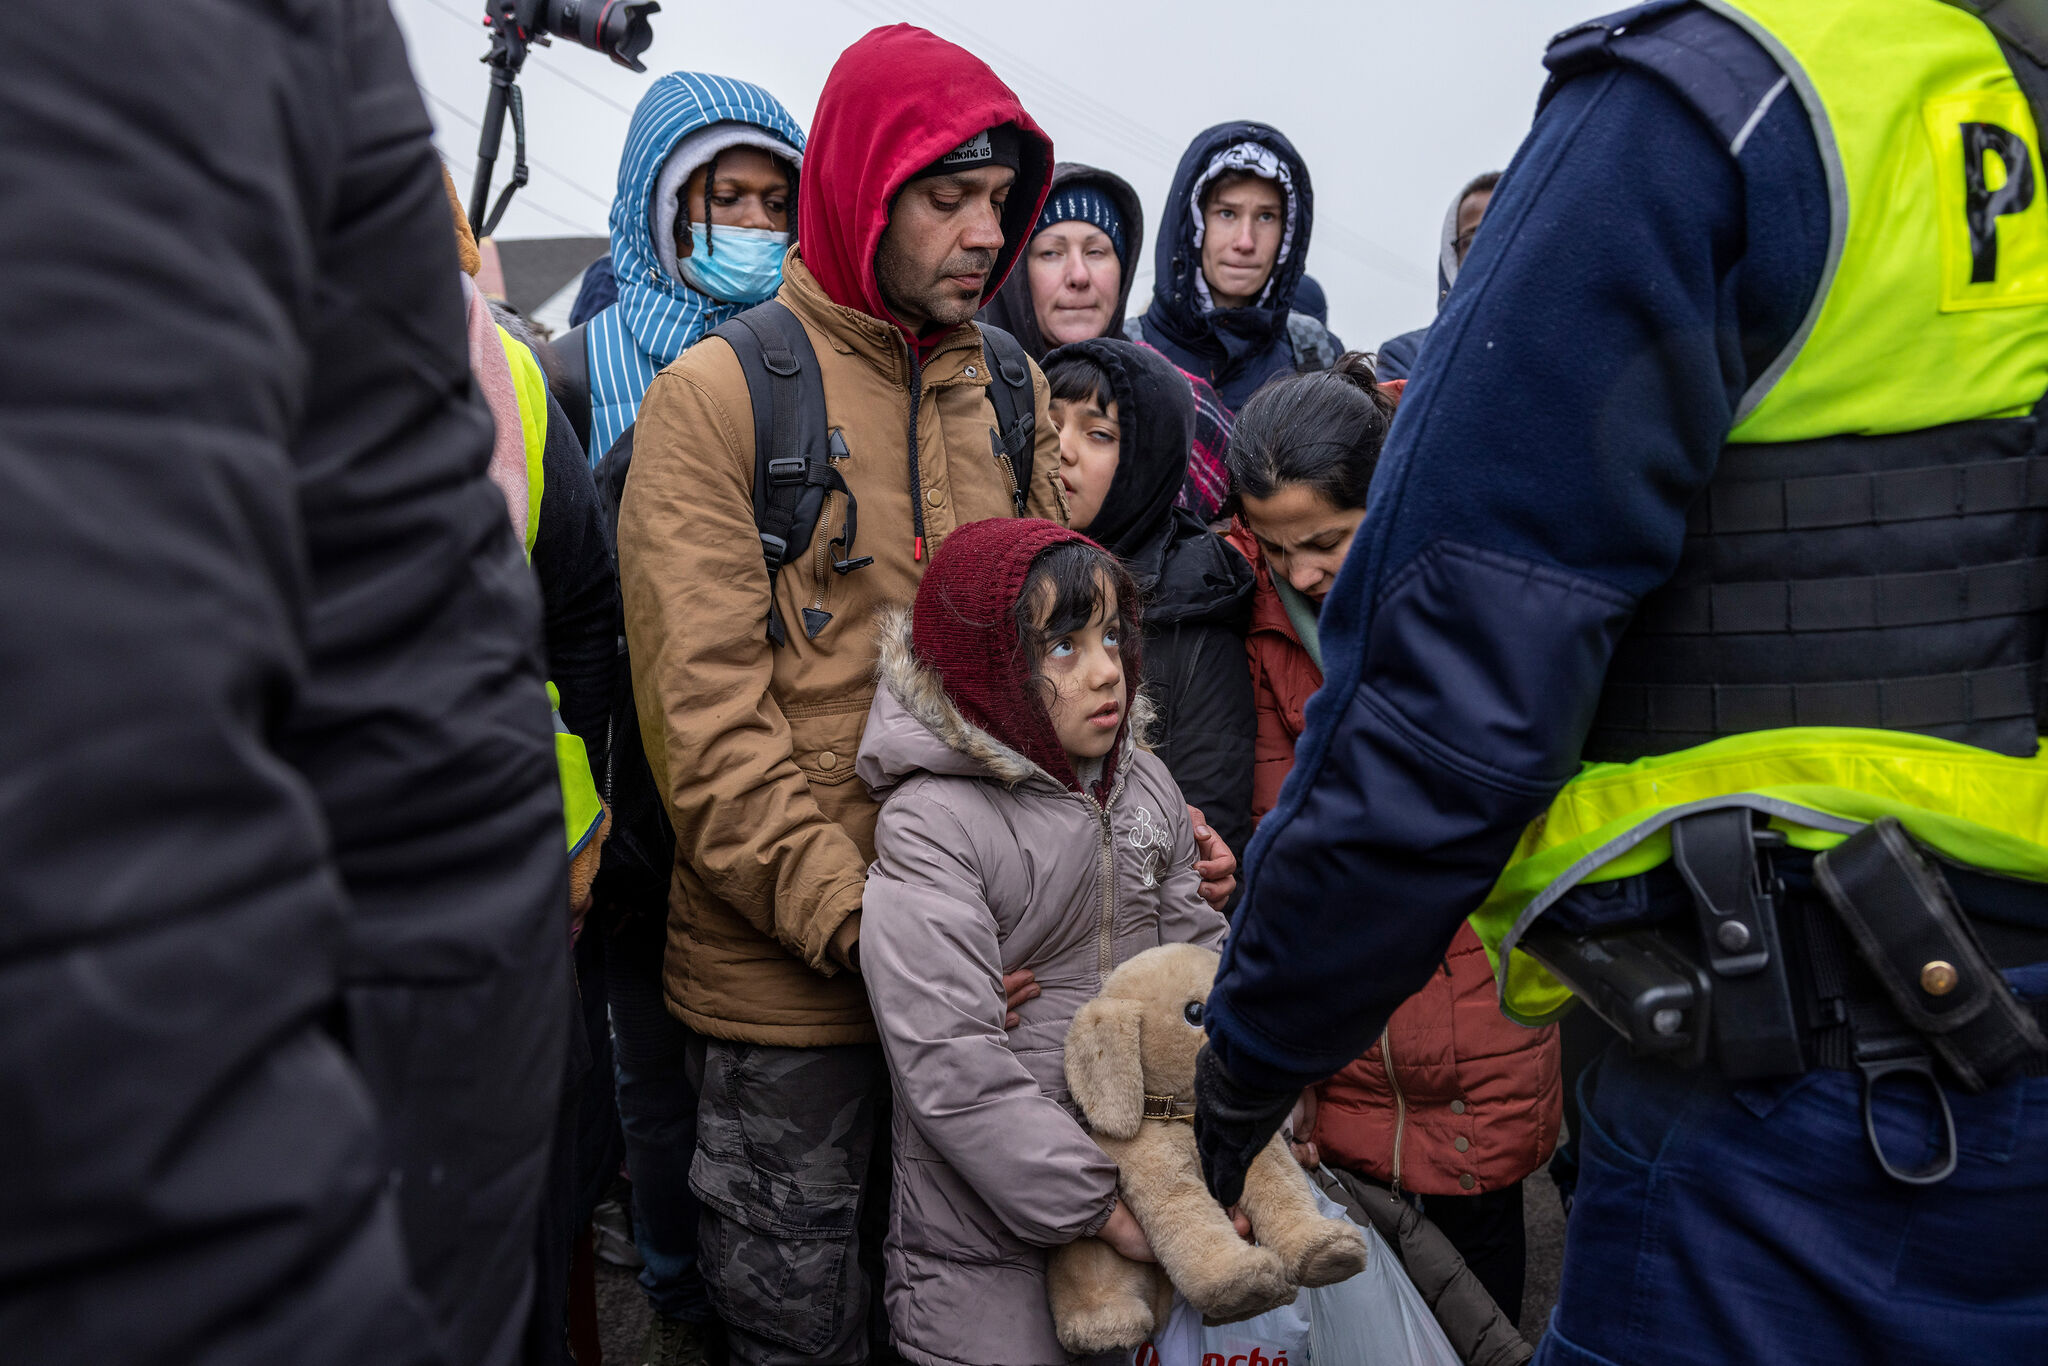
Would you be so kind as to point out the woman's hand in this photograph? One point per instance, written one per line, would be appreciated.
(1018, 987)
(1300, 1131)
(1123, 1234)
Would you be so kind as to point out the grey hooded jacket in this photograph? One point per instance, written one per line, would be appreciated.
(1397, 355)
(985, 864)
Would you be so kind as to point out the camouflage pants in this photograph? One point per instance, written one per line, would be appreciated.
(784, 1139)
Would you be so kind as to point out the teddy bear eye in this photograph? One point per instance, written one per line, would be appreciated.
(1193, 1014)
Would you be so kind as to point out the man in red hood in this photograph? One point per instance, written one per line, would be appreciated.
(922, 177)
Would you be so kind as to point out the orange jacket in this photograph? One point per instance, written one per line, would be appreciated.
(1475, 1100)
(1283, 679)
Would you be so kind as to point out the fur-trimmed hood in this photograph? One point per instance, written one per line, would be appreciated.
(913, 727)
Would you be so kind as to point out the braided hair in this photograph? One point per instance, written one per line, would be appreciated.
(710, 179)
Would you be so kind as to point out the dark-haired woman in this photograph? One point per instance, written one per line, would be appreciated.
(1455, 1103)
(1124, 414)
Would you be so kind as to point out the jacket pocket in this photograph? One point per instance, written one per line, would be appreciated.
(776, 1262)
(825, 738)
(784, 1142)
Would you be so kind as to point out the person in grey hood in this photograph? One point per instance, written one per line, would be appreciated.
(1022, 826)
(1397, 356)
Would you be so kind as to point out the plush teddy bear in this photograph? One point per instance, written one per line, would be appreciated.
(1131, 1066)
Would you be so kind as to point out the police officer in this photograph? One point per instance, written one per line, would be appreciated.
(1725, 472)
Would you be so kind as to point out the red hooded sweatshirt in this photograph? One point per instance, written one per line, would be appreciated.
(895, 102)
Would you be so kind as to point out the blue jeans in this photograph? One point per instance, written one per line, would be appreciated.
(1717, 1223)
(658, 1112)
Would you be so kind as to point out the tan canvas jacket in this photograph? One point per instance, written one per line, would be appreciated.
(754, 744)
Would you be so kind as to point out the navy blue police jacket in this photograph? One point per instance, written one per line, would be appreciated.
(1653, 246)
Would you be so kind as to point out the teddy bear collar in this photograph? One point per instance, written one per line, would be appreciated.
(1168, 1108)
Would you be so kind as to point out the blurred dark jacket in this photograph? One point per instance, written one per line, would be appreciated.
(285, 956)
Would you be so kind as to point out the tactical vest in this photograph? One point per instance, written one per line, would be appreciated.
(1857, 620)
(582, 809)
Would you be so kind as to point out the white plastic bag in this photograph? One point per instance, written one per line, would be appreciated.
(1278, 1337)
(1377, 1318)
(1177, 1343)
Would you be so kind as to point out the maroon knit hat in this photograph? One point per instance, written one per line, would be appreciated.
(963, 629)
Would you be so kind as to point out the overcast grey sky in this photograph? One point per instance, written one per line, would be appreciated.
(1394, 105)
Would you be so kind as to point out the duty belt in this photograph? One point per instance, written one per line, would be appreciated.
(1895, 981)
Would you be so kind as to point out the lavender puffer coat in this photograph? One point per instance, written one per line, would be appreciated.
(985, 864)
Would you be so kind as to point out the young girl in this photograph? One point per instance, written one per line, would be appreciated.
(1023, 825)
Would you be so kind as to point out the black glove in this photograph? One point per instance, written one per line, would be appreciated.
(1232, 1123)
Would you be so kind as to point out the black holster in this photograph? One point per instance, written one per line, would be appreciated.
(1730, 998)
(1908, 930)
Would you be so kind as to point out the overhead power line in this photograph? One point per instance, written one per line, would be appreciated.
(525, 199)
(603, 201)
(1077, 108)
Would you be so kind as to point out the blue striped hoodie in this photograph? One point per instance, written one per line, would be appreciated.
(656, 316)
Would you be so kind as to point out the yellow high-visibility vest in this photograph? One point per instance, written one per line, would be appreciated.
(582, 808)
(1933, 309)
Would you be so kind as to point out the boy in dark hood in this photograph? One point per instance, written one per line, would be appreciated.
(1229, 257)
(1196, 590)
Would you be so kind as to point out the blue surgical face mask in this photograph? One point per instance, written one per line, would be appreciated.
(745, 269)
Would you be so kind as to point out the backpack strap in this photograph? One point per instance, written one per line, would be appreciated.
(610, 478)
(1009, 391)
(793, 447)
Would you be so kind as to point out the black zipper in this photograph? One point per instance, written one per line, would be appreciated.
(916, 485)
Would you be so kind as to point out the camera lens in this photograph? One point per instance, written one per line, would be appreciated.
(617, 28)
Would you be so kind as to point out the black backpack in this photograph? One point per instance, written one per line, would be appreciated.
(794, 447)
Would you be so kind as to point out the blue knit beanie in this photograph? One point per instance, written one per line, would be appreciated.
(1084, 203)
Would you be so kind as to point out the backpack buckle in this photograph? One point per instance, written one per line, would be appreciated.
(788, 470)
(774, 550)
